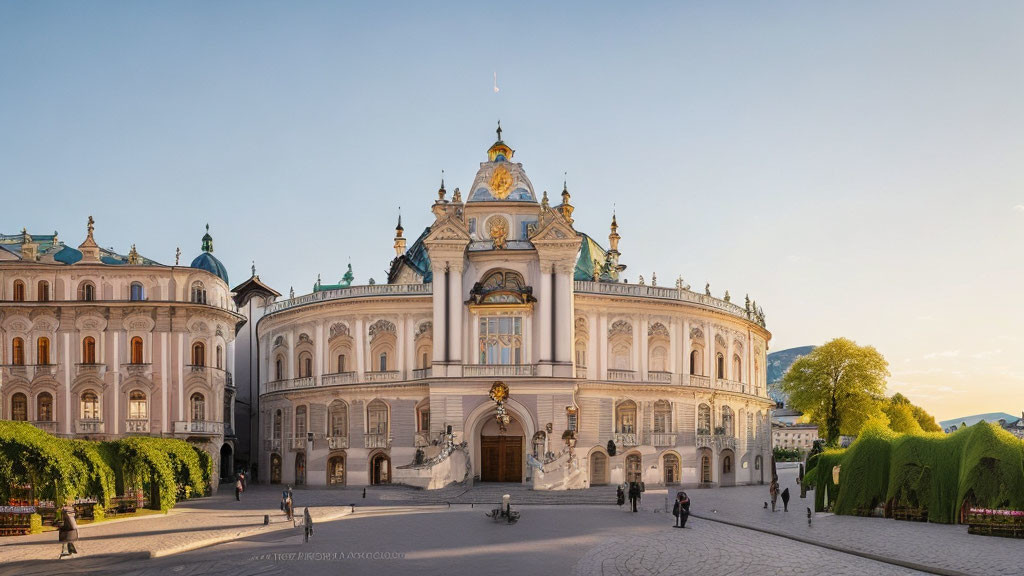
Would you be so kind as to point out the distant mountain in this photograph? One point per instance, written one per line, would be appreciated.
(992, 417)
(778, 363)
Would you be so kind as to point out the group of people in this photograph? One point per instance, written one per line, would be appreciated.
(636, 489)
(680, 509)
(773, 491)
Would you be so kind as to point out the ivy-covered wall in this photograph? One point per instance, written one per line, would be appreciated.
(63, 469)
(981, 464)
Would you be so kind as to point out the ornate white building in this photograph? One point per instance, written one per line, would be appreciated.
(98, 345)
(606, 381)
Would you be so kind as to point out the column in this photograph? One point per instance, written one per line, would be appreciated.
(546, 293)
(593, 343)
(165, 355)
(686, 348)
(645, 354)
(709, 352)
(318, 352)
(410, 347)
(439, 319)
(474, 356)
(181, 375)
(400, 346)
(635, 348)
(116, 387)
(728, 360)
(673, 343)
(230, 367)
(563, 316)
(601, 342)
(360, 350)
(290, 360)
(68, 367)
(456, 345)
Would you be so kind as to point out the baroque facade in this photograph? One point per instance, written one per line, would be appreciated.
(99, 345)
(506, 346)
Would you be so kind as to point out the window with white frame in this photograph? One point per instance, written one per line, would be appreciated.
(501, 340)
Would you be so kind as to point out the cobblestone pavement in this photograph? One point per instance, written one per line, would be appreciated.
(585, 540)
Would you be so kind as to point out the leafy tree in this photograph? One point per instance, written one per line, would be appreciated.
(904, 416)
(838, 386)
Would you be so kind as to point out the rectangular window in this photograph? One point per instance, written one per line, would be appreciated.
(501, 340)
(424, 420)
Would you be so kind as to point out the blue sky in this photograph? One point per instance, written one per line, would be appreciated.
(856, 167)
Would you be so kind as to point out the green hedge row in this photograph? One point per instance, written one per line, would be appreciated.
(982, 465)
(63, 469)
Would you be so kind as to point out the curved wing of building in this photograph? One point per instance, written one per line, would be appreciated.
(507, 347)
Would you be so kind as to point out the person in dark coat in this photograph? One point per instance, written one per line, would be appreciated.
(620, 495)
(681, 509)
(307, 524)
(773, 491)
(634, 494)
(67, 534)
(785, 500)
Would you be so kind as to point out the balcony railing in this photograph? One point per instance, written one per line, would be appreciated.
(353, 292)
(136, 426)
(498, 370)
(659, 376)
(291, 384)
(700, 381)
(716, 441)
(201, 427)
(46, 425)
(272, 445)
(730, 385)
(581, 371)
(40, 370)
(659, 439)
(88, 426)
(376, 441)
(384, 376)
(622, 375)
(338, 378)
(91, 369)
(337, 442)
(660, 293)
(137, 369)
(627, 439)
(421, 373)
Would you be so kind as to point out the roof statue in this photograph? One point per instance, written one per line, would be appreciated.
(727, 298)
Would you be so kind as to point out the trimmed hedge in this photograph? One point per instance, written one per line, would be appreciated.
(63, 469)
(934, 472)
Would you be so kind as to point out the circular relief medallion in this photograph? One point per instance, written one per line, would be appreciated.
(499, 392)
(497, 229)
(501, 183)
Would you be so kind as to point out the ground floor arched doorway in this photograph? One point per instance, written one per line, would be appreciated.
(670, 469)
(704, 457)
(634, 467)
(227, 464)
(728, 473)
(598, 468)
(380, 469)
(336, 470)
(501, 451)
(275, 469)
(300, 468)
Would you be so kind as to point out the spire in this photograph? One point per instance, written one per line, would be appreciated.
(207, 240)
(441, 191)
(499, 151)
(89, 249)
(499, 130)
(613, 238)
(399, 240)
(253, 268)
(544, 201)
(566, 208)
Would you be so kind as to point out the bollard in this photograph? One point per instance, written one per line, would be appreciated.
(364, 492)
(266, 519)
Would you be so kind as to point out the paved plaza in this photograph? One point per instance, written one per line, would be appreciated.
(399, 530)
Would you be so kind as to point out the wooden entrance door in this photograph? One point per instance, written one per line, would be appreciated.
(501, 458)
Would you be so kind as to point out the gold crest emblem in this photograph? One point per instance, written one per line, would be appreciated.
(499, 392)
(501, 183)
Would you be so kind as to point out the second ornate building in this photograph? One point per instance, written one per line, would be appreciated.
(506, 347)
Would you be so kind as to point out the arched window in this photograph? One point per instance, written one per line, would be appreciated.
(220, 357)
(18, 352)
(424, 360)
(88, 350)
(338, 414)
(198, 403)
(695, 362)
(86, 291)
(277, 425)
(423, 416)
(90, 406)
(137, 405)
(44, 291)
(278, 369)
(383, 366)
(19, 407)
(198, 293)
(377, 417)
(300, 422)
(44, 407)
(625, 417)
(726, 464)
(720, 363)
(662, 417)
(657, 358)
(305, 365)
(728, 422)
(703, 419)
(199, 354)
(42, 350)
(737, 368)
(341, 362)
(136, 350)
(19, 291)
(137, 292)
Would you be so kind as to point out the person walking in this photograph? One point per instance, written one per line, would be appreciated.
(238, 489)
(620, 495)
(284, 497)
(683, 505)
(773, 490)
(289, 511)
(307, 525)
(244, 482)
(634, 495)
(785, 500)
(67, 534)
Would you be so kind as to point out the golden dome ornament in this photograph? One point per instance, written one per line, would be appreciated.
(501, 183)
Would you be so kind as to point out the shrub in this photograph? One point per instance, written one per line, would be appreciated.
(35, 524)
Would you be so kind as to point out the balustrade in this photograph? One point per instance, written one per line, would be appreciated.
(89, 426)
(136, 426)
(622, 375)
(202, 427)
(659, 439)
(338, 378)
(498, 370)
(376, 441)
(659, 376)
(421, 373)
(581, 371)
(626, 439)
(337, 442)
(353, 292)
(46, 425)
(384, 376)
